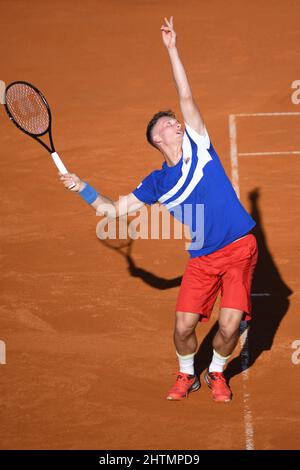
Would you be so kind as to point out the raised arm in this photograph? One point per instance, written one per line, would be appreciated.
(188, 106)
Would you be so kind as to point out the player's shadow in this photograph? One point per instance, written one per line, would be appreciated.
(270, 303)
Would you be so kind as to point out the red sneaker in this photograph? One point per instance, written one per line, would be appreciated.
(184, 384)
(217, 383)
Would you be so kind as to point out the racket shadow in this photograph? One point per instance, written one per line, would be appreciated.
(124, 248)
(150, 278)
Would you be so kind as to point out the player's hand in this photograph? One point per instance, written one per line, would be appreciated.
(71, 181)
(168, 33)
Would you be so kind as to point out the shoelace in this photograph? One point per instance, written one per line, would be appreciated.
(181, 381)
(218, 376)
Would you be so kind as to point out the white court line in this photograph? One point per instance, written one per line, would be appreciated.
(234, 154)
(247, 154)
(265, 114)
(245, 358)
(248, 421)
(261, 295)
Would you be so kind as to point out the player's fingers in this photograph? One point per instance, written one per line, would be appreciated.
(69, 181)
(169, 23)
(68, 178)
(171, 28)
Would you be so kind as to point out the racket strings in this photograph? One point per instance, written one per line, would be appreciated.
(28, 108)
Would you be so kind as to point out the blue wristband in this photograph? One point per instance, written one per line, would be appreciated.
(89, 194)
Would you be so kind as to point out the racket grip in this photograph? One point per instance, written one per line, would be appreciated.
(60, 166)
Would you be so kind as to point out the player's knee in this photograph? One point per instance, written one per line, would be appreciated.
(228, 332)
(183, 330)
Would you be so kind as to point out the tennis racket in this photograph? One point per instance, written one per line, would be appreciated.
(29, 110)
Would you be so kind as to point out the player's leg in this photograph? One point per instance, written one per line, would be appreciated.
(237, 273)
(184, 336)
(227, 335)
(185, 341)
(224, 343)
(196, 298)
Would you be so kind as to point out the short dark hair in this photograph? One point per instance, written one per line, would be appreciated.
(151, 124)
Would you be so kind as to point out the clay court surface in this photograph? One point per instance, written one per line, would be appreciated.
(88, 332)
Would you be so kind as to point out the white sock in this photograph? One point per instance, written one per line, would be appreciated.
(186, 363)
(218, 362)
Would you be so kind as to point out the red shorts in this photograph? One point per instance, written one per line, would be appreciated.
(229, 269)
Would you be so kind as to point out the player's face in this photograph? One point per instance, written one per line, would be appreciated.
(168, 130)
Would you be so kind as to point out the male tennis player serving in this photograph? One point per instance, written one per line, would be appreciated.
(222, 257)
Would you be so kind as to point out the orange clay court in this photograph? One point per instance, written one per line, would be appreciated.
(86, 331)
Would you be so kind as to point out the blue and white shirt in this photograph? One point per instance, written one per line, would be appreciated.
(198, 192)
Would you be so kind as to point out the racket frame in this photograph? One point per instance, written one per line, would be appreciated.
(58, 162)
(50, 149)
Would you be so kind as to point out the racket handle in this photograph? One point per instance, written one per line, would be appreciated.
(60, 166)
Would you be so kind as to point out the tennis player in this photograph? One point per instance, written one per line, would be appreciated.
(223, 252)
